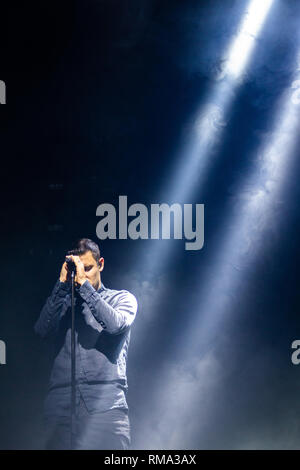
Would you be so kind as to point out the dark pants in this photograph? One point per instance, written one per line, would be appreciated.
(98, 430)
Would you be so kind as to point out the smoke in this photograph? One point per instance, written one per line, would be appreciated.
(237, 392)
(192, 36)
(170, 420)
(216, 403)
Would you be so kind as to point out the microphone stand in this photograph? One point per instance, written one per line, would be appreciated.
(73, 365)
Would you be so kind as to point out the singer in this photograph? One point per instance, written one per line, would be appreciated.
(103, 319)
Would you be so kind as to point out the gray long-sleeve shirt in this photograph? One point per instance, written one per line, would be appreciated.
(102, 328)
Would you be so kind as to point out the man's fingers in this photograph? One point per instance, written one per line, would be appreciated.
(74, 258)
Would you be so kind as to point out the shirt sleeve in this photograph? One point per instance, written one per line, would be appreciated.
(113, 319)
(50, 314)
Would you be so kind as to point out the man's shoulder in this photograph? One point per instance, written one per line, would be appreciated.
(121, 295)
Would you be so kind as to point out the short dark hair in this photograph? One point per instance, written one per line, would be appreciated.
(83, 245)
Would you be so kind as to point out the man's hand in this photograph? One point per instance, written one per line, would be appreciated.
(64, 273)
(80, 277)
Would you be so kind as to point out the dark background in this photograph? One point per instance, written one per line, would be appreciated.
(99, 97)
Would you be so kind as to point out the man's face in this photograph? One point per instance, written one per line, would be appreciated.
(92, 269)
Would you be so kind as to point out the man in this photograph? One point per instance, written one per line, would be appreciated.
(103, 318)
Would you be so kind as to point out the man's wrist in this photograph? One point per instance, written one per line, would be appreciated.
(86, 289)
(64, 284)
(78, 284)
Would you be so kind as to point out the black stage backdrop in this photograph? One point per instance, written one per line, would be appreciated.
(101, 94)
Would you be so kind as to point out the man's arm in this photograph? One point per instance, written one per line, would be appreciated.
(51, 312)
(116, 319)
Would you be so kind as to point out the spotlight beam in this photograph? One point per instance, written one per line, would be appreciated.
(194, 161)
(248, 225)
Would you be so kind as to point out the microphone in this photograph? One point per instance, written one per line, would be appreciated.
(70, 265)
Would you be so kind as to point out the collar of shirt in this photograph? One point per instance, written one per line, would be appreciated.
(102, 288)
